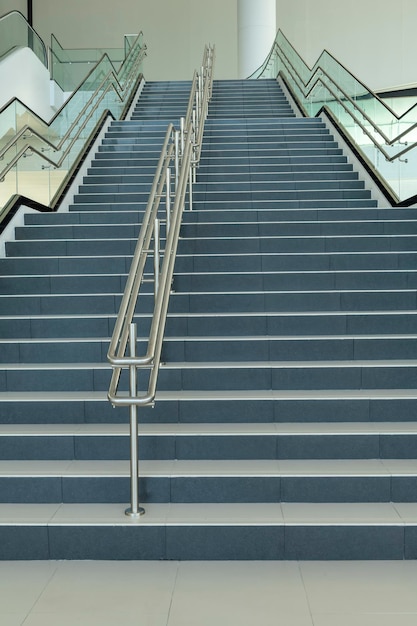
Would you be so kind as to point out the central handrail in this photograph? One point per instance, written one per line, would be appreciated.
(180, 154)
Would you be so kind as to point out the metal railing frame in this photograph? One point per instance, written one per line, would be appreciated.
(181, 155)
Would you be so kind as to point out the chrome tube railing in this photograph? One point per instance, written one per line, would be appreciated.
(180, 156)
(382, 137)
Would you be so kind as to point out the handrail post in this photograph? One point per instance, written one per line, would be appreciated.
(135, 510)
(168, 199)
(190, 187)
(182, 121)
(156, 257)
(177, 157)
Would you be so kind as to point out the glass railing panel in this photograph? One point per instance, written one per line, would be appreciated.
(52, 154)
(61, 70)
(386, 138)
(70, 66)
(15, 32)
(8, 125)
(8, 182)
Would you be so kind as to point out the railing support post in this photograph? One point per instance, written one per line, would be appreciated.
(135, 510)
(156, 257)
(190, 187)
(182, 122)
(177, 158)
(168, 200)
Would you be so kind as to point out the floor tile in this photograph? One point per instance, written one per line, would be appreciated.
(100, 587)
(21, 584)
(373, 619)
(239, 593)
(12, 619)
(362, 586)
(96, 618)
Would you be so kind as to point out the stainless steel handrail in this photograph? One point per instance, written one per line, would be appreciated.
(180, 153)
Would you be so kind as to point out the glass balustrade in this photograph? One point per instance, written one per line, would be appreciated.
(386, 137)
(16, 33)
(35, 156)
(70, 66)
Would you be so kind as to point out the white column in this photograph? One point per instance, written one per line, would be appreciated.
(256, 33)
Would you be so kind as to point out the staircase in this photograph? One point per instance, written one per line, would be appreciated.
(284, 426)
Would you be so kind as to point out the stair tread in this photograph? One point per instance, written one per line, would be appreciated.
(212, 514)
(214, 468)
(215, 338)
(221, 395)
(210, 429)
(194, 365)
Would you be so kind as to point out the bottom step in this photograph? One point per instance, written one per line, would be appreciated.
(289, 531)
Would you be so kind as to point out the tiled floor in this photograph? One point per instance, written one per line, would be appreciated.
(170, 593)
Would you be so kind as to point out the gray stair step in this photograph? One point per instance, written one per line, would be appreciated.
(224, 375)
(292, 324)
(311, 481)
(233, 406)
(200, 302)
(212, 531)
(199, 348)
(210, 441)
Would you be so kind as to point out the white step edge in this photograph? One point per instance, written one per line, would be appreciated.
(247, 514)
(212, 429)
(316, 468)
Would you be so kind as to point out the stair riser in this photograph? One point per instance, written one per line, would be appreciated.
(325, 235)
(217, 245)
(294, 281)
(222, 349)
(219, 378)
(50, 327)
(382, 243)
(205, 542)
(217, 489)
(294, 262)
(218, 283)
(214, 188)
(215, 303)
(193, 447)
(296, 410)
(215, 325)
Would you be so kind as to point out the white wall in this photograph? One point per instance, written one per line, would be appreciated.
(13, 5)
(24, 76)
(374, 39)
(175, 30)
